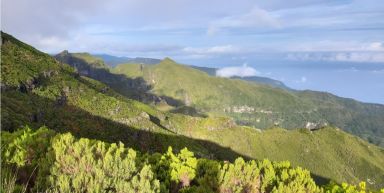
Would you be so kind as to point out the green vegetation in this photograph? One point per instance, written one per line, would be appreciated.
(68, 102)
(66, 164)
(21, 63)
(95, 62)
(258, 105)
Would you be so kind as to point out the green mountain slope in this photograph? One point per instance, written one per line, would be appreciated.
(47, 92)
(259, 105)
(38, 90)
(325, 151)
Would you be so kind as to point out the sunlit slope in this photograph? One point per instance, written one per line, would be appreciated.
(328, 152)
(259, 105)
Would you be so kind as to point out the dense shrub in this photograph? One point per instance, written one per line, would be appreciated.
(93, 166)
(347, 188)
(44, 161)
(25, 147)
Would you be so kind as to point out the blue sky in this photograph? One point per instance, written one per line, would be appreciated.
(335, 46)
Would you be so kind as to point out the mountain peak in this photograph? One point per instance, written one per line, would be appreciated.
(64, 52)
(168, 59)
(168, 62)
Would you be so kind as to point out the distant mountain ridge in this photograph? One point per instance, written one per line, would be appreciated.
(113, 61)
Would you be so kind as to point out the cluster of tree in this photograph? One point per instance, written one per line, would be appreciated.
(43, 161)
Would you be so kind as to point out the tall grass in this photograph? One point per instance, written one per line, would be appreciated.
(8, 180)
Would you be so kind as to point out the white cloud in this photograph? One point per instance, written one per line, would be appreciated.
(212, 30)
(242, 71)
(359, 57)
(174, 27)
(336, 46)
(302, 80)
(225, 49)
(256, 17)
(375, 46)
(338, 56)
(378, 71)
(52, 42)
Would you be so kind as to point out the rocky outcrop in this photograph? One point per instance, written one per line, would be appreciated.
(315, 126)
(62, 99)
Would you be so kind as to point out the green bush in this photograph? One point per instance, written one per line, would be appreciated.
(62, 163)
(24, 147)
(347, 188)
(93, 166)
(239, 177)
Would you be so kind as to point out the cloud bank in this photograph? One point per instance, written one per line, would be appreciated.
(192, 29)
(338, 56)
(255, 18)
(242, 71)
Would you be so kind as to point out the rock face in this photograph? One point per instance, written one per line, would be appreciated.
(187, 100)
(310, 125)
(63, 98)
(144, 115)
(315, 126)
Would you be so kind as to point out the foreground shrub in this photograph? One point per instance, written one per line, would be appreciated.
(347, 188)
(43, 161)
(93, 166)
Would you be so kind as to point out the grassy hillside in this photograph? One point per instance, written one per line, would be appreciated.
(211, 94)
(21, 63)
(259, 105)
(68, 102)
(92, 60)
(326, 151)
